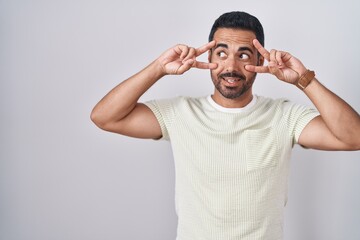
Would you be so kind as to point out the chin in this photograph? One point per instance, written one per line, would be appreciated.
(233, 93)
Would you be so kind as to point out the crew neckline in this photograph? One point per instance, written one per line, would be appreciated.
(231, 110)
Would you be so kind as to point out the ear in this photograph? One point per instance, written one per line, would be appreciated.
(260, 61)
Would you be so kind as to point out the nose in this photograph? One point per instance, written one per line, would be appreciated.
(231, 64)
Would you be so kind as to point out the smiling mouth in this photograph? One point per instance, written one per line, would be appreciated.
(231, 80)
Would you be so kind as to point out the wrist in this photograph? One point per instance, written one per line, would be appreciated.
(158, 69)
(305, 79)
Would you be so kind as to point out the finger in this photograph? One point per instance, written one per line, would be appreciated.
(185, 66)
(190, 54)
(273, 56)
(205, 48)
(274, 69)
(182, 50)
(257, 69)
(205, 65)
(261, 49)
(285, 56)
(278, 56)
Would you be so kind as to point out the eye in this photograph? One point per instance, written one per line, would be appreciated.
(221, 54)
(244, 56)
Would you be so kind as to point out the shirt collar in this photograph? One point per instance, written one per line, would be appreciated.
(232, 110)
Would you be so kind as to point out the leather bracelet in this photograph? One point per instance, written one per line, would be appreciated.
(305, 79)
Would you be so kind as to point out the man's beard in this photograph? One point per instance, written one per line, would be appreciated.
(233, 92)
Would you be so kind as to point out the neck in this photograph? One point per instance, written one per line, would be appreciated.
(238, 102)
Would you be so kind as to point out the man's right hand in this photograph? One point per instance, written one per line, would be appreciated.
(120, 112)
(181, 58)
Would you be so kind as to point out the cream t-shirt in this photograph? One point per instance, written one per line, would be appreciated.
(231, 165)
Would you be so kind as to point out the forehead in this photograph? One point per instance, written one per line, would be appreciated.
(234, 36)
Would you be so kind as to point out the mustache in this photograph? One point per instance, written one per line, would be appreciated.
(233, 74)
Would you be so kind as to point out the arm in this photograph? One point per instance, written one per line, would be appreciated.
(337, 127)
(120, 112)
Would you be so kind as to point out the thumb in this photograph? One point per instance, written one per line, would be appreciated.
(274, 69)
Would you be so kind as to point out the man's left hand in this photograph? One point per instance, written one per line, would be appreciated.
(281, 64)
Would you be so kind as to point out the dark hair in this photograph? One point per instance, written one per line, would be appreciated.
(239, 20)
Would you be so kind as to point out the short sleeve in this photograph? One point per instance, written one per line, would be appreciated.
(164, 113)
(298, 116)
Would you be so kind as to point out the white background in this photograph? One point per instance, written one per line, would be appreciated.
(61, 178)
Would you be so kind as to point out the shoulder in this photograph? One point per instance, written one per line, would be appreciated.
(283, 104)
(183, 101)
(284, 109)
(179, 103)
(279, 104)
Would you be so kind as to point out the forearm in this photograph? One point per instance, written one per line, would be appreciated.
(122, 99)
(341, 119)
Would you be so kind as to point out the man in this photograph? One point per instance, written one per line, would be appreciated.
(232, 148)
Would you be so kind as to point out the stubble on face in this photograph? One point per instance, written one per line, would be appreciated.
(231, 79)
(232, 92)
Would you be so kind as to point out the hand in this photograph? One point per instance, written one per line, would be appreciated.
(281, 64)
(181, 58)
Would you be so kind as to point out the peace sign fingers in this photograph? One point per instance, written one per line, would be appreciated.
(192, 53)
(261, 50)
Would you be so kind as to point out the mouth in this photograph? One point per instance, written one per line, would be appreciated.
(231, 80)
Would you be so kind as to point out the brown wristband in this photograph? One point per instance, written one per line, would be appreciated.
(305, 79)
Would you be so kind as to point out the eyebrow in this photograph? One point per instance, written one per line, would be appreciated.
(241, 49)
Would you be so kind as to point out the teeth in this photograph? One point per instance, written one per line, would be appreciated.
(231, 80)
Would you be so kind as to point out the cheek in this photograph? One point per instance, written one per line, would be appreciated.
(220, 66)
(214, 73)
(250, 77)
